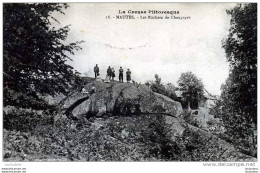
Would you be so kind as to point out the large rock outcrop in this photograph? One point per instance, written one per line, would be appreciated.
(122, 99)
(193, 134)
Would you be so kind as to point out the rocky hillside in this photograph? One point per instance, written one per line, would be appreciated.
(121, 122)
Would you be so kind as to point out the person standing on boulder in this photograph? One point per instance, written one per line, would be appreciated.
(113, 73)
(128, 75)
(121, 74)
(109, 72)
(96, 71)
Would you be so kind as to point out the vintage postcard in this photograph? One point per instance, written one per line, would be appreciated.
(130, 82)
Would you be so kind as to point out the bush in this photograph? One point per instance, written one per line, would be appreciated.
(158, 139)
(194, 146)
(26, 120)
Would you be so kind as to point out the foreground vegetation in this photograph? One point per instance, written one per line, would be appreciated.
(116, 138)
(35, 66)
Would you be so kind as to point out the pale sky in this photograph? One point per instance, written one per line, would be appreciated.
(166, 47)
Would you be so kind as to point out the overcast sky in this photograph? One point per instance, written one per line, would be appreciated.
(148, 47)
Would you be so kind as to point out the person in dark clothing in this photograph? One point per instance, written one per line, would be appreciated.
(128, 75)
(113, 73)
(109, 72)
(121, 74)
(96, 71)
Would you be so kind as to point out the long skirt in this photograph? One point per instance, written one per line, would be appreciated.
(128, 77)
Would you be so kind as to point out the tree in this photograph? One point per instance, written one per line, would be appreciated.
(241, 50)
(191, 87)
(239, 94)
(34, 53)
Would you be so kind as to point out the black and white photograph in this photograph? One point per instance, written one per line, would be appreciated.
(129, 82)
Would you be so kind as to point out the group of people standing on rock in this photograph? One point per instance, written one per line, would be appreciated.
(111, 74)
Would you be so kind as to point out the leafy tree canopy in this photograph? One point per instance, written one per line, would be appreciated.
(240, 90)
(191, 87)
(238, 106)
(34, 53)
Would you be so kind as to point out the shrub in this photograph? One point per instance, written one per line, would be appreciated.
(26, 120)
